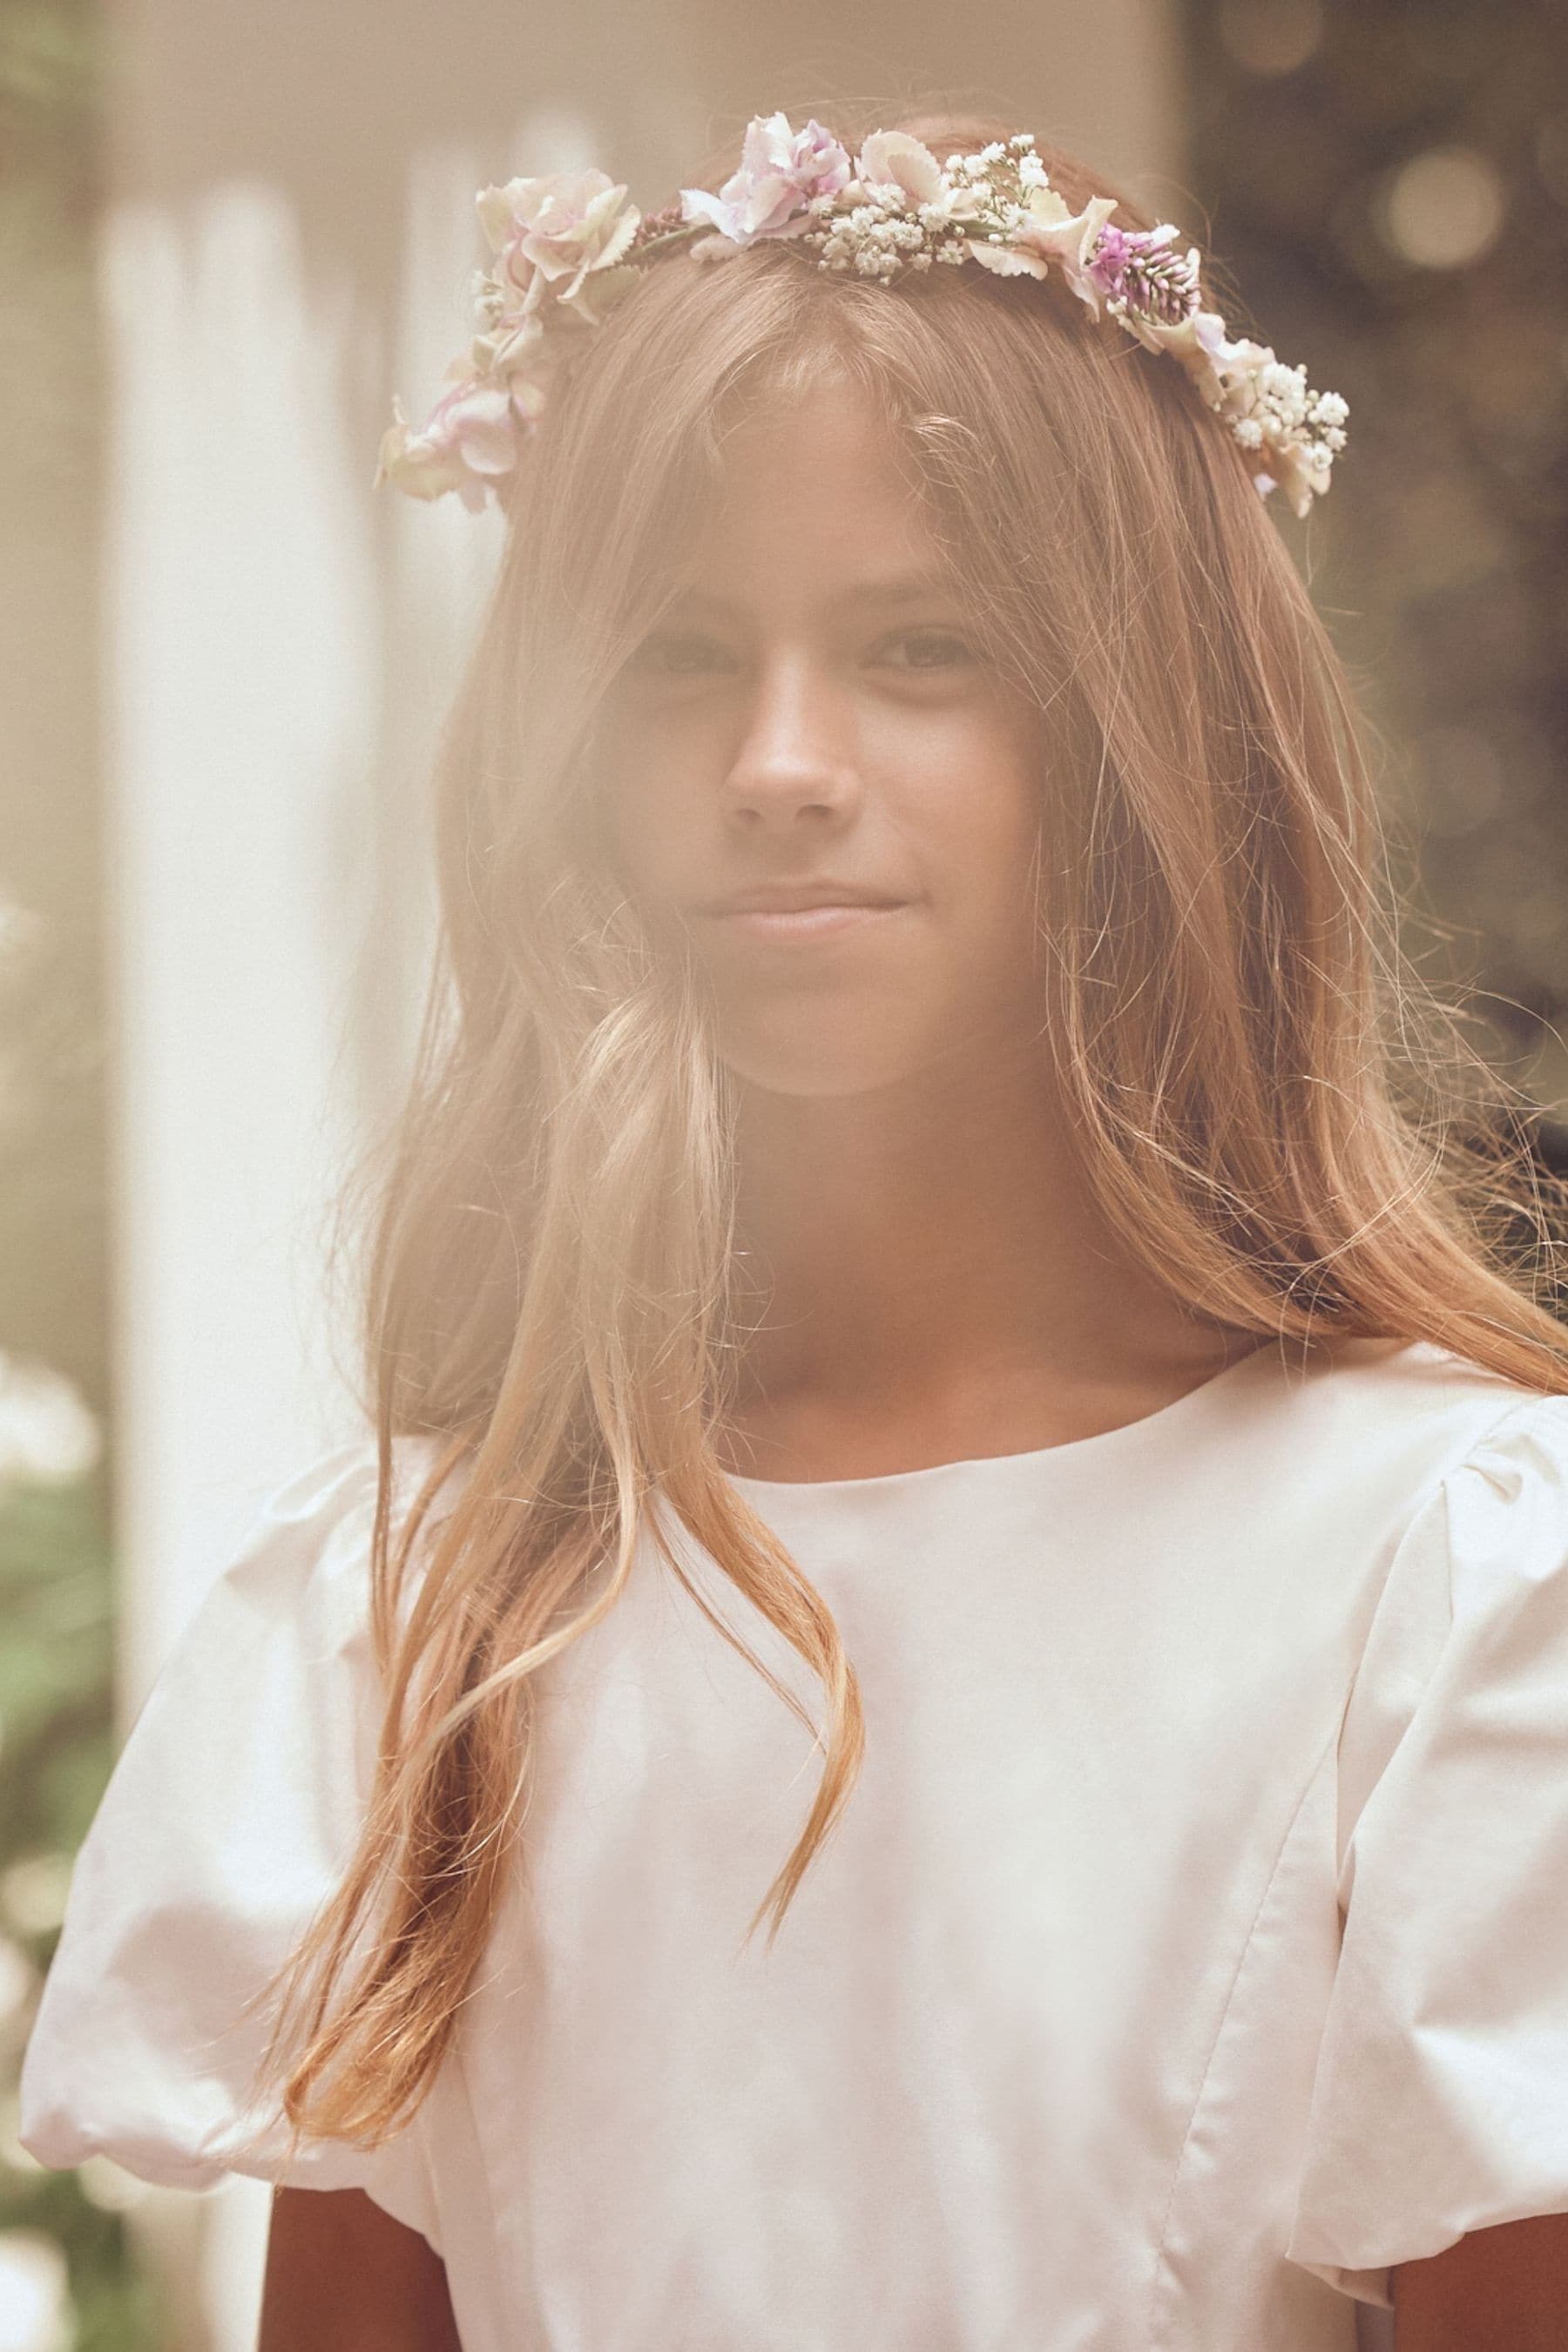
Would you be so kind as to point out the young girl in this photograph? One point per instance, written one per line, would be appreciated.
(941, 1392)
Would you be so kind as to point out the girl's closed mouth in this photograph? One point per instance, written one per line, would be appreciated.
(784, 912)
(782, 924)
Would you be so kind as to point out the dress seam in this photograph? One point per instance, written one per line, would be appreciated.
(480, 2142)
(1160, 2261)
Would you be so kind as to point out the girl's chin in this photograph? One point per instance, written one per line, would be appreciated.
(812, 1070)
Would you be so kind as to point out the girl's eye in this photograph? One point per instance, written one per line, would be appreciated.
(678, 653)
(926, 649)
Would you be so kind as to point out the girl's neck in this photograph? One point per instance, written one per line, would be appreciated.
(929, 1258)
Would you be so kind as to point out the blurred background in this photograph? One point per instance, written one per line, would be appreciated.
(227, 238)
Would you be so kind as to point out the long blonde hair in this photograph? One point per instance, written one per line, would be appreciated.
(1272, 1114)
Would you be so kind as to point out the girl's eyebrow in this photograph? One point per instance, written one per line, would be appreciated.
(912, 588)
(905, 588)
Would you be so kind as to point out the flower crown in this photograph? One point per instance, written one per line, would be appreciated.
(568, 246)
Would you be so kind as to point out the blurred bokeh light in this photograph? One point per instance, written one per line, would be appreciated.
(1389, 184)
(1443, 208)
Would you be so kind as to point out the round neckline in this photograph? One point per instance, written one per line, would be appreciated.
(1189, 1406)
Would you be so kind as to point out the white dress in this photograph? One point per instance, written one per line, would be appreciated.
(1194, 1945)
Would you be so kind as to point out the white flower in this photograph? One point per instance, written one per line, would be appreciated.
(17, 1979)
(892, 159)
(46, 1432)
(33, 1891)
(1003, 260)
(1045, 232)
(513, 340)
(34, 2306)
(1223, 371)
(1303, 473)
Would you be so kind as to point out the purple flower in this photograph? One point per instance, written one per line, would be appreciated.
(1138, 267)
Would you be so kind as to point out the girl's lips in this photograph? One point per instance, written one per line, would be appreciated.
(782, 926)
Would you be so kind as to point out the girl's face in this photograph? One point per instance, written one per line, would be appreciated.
(811, 773)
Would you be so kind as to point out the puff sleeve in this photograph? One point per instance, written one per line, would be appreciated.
(1440, 2099)
(230, 1814)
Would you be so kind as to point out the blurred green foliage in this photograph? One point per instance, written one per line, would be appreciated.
(56, 1661)
(53, 1223)
(56, 1747)
(50, 59)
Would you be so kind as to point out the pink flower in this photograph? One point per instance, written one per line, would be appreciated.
(557, 227)
(1142, 268)
(469, 440)
(511, 341)
(780, 171)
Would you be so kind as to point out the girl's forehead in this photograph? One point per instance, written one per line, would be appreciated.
(836, 422)
(823, 481)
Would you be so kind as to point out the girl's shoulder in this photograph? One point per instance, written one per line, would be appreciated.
(1420, 1410)
(315, 1528)
(1421, 1375)
(1436, 2105)
(297, 1587)
(237, 1800)
(1475, 1464)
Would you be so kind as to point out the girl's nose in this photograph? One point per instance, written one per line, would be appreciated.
(794, 761)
